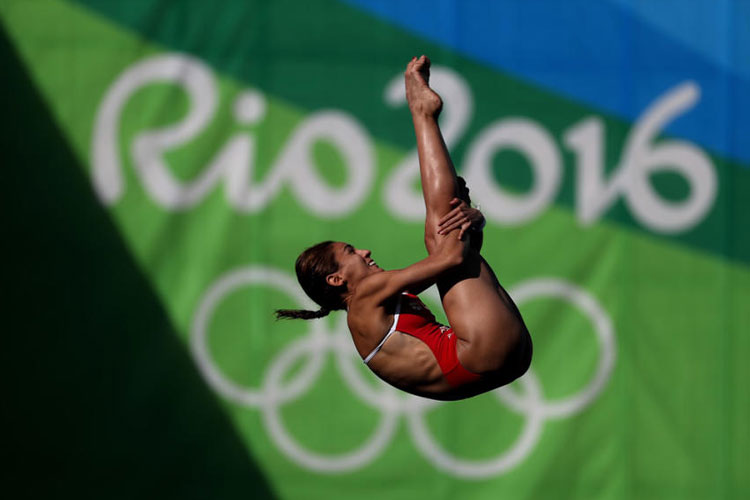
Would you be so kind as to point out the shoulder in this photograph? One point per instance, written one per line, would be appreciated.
(372, 286)
(369, 296)
(368, 321)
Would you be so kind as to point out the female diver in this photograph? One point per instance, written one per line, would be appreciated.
(487, 344)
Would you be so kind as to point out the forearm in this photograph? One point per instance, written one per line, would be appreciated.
(425, 273)
(418, 285)
(417, 276)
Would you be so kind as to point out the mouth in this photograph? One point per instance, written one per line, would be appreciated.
(371, 263)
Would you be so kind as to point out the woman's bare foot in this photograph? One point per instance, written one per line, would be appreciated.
(422, 99)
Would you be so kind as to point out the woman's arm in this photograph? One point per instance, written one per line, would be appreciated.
(418, 276)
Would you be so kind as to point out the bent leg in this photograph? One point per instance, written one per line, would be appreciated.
(486, 320)
(491, 333)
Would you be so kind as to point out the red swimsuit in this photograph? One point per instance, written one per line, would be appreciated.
(413, 318)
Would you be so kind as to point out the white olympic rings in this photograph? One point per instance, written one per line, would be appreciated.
(382, 397)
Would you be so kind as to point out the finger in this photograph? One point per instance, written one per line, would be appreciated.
(459, 203)
(464, 227)
(449, 228)
(451, 225)
(448, 216)
(452, 220)
(458, 219)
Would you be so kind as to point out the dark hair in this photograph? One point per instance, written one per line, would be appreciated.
(312, 267)
(463, 190)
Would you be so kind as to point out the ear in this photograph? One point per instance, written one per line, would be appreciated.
(335, 279)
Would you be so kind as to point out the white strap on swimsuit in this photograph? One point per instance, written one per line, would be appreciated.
(387, 335)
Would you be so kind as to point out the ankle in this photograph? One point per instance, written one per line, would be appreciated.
(422, 115)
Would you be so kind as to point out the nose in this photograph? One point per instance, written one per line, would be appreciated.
(364, 252)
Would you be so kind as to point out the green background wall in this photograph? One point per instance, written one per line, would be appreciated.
(164, 163)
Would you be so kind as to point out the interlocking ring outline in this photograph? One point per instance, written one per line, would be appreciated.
(390, 402)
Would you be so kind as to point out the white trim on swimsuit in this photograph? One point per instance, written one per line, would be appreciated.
(387, 335)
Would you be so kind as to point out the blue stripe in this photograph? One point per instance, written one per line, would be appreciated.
(718, 30)
(607, 54)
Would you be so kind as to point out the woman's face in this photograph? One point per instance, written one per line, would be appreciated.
(354, 263)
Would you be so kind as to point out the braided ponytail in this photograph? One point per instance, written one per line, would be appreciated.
(312, 267)
(301, 313)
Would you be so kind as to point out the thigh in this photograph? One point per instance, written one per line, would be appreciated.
(482, 315)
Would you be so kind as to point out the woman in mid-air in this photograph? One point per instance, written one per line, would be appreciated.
(487, 344)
